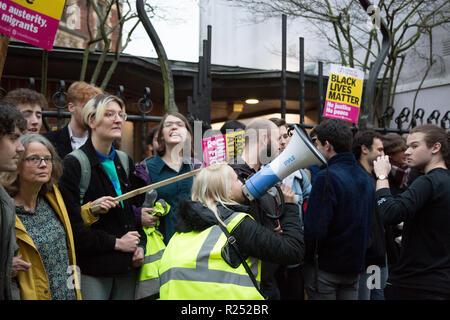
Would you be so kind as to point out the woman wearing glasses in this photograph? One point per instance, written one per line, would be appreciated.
(109, 244)
(43, 230)
(173, 158)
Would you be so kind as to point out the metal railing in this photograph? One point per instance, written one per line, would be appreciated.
(59, 101)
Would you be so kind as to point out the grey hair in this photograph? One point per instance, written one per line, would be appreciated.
(12, 181)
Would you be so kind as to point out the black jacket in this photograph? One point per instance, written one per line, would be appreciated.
(60, 140)
(424, 262)
(95, 244)
(259, 209)
(376, 251)
(253, 239)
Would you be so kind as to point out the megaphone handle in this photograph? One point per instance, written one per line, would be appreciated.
(280, 209)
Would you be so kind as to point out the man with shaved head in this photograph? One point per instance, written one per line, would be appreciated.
(261, 147)
(261, 143)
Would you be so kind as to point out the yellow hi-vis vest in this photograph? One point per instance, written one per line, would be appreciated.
(148, 282)
(192, 267)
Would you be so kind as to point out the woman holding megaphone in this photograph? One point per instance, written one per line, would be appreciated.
(216, 250)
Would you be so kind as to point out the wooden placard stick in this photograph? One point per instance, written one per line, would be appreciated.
(156, 185)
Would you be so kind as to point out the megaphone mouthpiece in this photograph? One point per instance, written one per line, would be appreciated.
(299, 153)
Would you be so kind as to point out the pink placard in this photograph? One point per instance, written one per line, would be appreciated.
(341, 111)
(27, 25)
(214, 150)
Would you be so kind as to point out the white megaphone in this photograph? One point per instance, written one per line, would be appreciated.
(300, 153)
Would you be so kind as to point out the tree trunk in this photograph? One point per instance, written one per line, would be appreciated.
(4, 42)
(169, 90)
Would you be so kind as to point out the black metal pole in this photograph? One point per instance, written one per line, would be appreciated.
(44, 72)
(320, 85)
(283, 66)
(58, 100)
(143, 136)
(208, 77)
(145, 106)
(209, 39)
(366, 119)
(302, 80)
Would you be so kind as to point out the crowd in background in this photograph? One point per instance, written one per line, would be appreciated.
(371, 224)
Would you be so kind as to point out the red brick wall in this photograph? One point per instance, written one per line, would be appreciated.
(81, 19)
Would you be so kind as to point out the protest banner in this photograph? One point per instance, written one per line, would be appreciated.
(32, 21)
(344, 92)
(222, 148)
(235, 144)
(214, 150)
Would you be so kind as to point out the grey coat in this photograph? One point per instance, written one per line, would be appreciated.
(8, 246)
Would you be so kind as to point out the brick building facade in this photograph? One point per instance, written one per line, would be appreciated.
(73, 29)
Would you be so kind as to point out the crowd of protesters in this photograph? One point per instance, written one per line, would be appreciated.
(372, 223)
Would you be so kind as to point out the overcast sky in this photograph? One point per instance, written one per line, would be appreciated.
(178, 30)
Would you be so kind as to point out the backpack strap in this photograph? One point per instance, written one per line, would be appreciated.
(85, 165)
(232, 241)
(123, 157)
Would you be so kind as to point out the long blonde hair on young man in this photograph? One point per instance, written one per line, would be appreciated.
(212, 186)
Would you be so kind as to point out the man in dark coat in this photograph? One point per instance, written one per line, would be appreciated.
(367, 146)
(12, 125)
(261, 146)
(338, 218)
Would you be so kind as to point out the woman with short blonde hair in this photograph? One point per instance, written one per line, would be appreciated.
(110, 246)
(96, 108)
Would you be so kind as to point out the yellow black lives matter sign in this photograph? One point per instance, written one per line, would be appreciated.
(344, 93)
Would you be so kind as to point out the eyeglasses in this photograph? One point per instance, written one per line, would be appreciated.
(112, 115)
(36, 161)
(179, 124)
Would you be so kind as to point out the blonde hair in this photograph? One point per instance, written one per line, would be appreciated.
(96, 107)
(212, 186)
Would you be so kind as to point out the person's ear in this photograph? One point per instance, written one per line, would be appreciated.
(436, 148)
(70, 107)
(364, 150)
(91, 122)
(328, 146)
